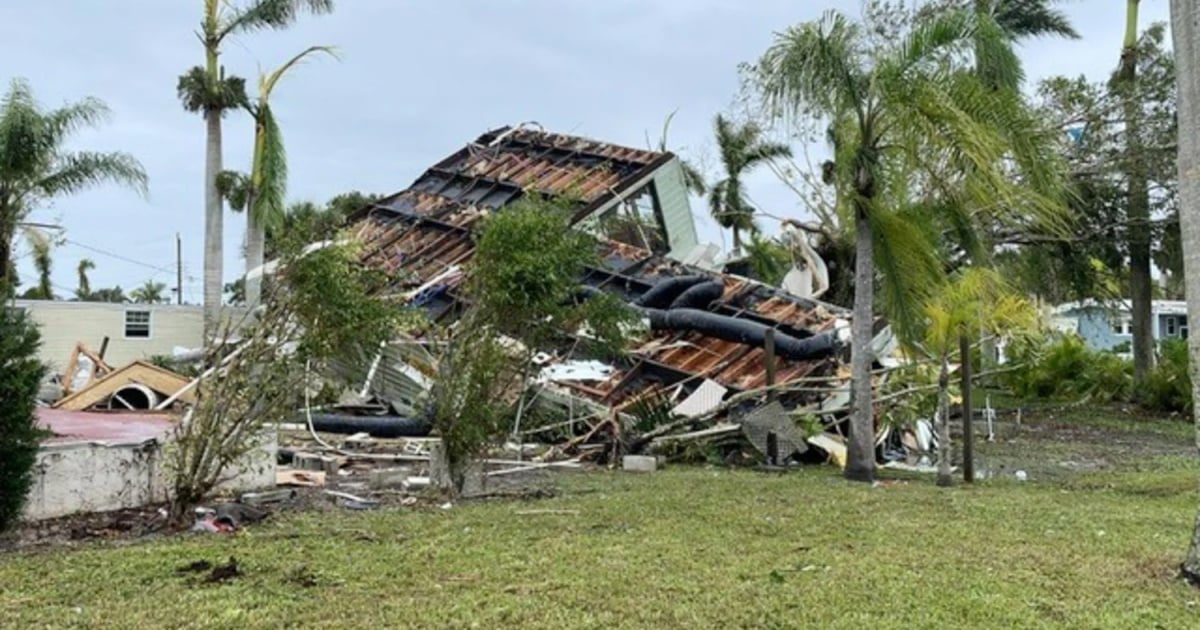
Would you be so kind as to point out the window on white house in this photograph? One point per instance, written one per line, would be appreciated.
(1121, 326)
(1172, 329)
(137, 324)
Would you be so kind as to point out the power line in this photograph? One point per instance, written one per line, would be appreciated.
(120, 257)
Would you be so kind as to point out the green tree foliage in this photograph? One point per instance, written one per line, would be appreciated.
(1095, 144)
(20, 376)
(84, 290)
(36, 167)
(769, 260)
(975, 300)
(44, 263)
(113, 295)
(324, 308)
(150, 292)
(521, 299)
(918, 144)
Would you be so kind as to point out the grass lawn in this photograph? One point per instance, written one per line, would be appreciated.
(685, 547)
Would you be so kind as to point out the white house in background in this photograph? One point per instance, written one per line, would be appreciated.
(1107, 325)
(134, 331)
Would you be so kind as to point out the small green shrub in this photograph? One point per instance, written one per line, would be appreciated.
(1064, 367)
(1169, 387)
(20, 376)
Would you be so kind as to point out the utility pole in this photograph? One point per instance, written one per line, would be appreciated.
(178, 269)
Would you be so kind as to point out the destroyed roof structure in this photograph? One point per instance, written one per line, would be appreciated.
(422, 237)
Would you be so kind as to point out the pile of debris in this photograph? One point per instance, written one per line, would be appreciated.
(716, 347)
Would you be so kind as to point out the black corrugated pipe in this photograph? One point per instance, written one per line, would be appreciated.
(376, 426)
(662, 294)
(742, 331)
(700, 296)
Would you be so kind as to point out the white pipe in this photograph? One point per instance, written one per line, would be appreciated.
(149, 394)
(196, 381)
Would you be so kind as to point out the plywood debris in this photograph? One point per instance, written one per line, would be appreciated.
(158, 379)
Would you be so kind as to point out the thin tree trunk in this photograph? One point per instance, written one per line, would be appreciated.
(214, 226)
(255, 242)
(1185, 28)
(944, 477)
(1138, 203)
(8, 228)
(968, 448)
(860, 461)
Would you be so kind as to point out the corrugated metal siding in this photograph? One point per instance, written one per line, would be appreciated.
(676, 211)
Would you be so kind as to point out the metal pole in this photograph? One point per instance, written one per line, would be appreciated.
(964, 349)
(769, 351)
(178, 269)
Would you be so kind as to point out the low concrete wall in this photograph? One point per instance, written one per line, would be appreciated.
(98, 477)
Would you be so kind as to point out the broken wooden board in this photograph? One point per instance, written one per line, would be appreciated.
(162, 381)
(831, 445)
(306, 478)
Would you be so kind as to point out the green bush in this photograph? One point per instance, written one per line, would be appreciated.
(20, 376)
(1169, 387)
(1065, 368)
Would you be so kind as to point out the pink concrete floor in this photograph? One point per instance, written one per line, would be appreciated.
(90, 426)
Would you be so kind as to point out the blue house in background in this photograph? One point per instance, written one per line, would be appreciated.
(1105, 326)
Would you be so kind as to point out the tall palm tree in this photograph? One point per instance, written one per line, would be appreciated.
(902, 120)
(84, 290)
(35, 168)
(207, 90)
(998, 26)
(742, 149)
(1185, 29)
(262, 193)
(149, 293)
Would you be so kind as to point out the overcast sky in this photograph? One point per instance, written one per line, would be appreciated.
(418, 79)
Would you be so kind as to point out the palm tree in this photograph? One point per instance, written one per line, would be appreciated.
(84, 291)
(208, 91)
(43, 262)
(976, 299)
(742, 149)
(1185, 29)
(149, 293)
(263, 192)
(35, 167)
(900, 121)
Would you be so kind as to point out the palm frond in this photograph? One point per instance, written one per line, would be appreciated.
(234, 187)
(816, 64)
(271, 14)
(267, 82)
(1033, 18)
(908, 267)
(996, 63)
(75, 172)
(269, 179)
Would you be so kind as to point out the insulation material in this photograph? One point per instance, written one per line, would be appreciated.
(706, 398)
(578, 371)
